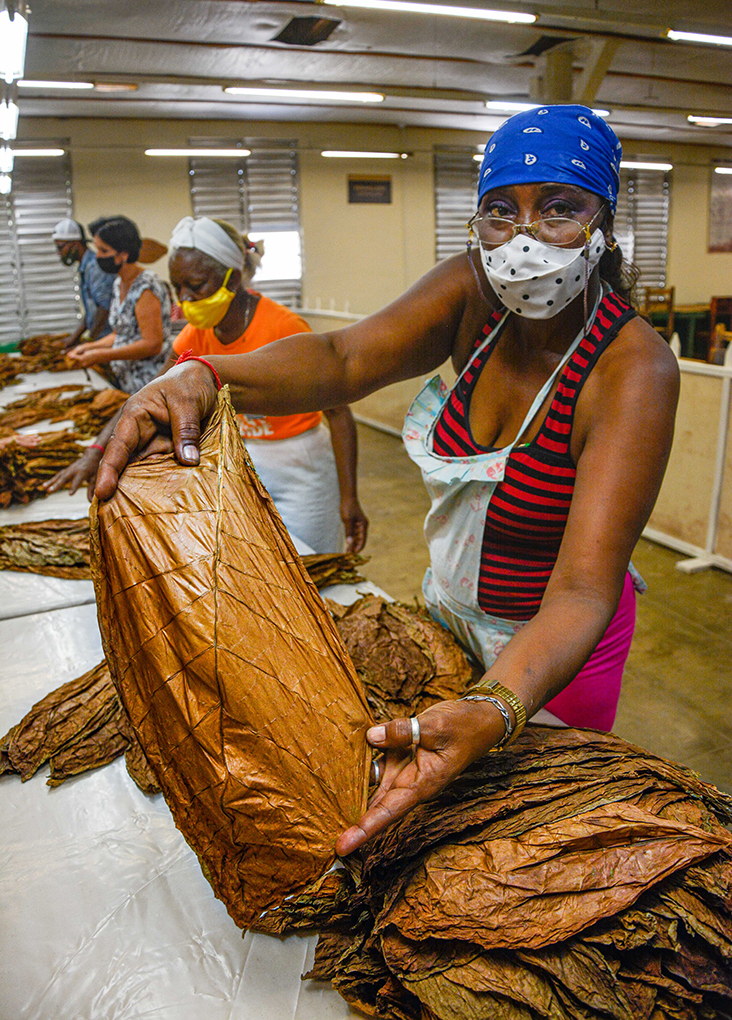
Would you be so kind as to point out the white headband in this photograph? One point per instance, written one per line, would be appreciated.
(206, 236)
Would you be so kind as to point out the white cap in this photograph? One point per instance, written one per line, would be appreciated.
(68, 230)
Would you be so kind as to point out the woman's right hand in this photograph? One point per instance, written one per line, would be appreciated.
(82, 472)
(173, 405)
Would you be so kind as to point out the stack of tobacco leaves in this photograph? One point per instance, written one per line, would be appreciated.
(87, 408)
(77, 727)
(23, 470)
(571, 877)
(56, 548)
(42, 353)
(45, 352)
(405, 660)
(230, 669)
(60, 548)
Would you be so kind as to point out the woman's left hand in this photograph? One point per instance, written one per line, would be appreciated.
(356, 524)
(85, 355)
(453, 734)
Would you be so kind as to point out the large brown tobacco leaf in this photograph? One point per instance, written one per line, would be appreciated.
(87, 408)
(23, 470)
(231, 670)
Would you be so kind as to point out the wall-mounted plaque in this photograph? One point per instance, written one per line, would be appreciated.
(375, 189)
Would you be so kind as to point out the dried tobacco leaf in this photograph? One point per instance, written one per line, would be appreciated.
(549, 883)
(406, 661)
(42, 353)
(232, 673)
(334, 568)
(23, 470)
(75, 714)
(87, 408)
(55, 548)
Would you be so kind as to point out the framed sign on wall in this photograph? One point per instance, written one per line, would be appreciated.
(374, 189)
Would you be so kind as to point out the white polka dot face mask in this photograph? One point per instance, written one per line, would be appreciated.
(538, 281)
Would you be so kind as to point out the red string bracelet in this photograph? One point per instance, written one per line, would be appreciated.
(96, 446)
(190, 356)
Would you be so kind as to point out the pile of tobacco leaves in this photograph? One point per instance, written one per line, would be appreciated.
(23, 470)
(571, 877)
(43, 353)
(87, 408)
(60, 548)
(574, 876)
(56, 548)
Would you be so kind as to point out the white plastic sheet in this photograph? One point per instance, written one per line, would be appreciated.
(104, 911)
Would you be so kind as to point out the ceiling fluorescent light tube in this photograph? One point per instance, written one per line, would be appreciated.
(13, 38)
(39, 152)
(499, 106)
(227, 153)
(723, 169)
(314, 95)
(700, 37)
(481, 14)
(633, 164)
(26, 83)
(344, 154)
(708, 121)
(8, 120)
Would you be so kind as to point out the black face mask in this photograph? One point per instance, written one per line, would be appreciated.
(108, 265)
(69, 260)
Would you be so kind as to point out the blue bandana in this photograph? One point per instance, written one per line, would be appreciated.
(567, 144)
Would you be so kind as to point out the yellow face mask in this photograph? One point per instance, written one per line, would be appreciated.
(208, 312)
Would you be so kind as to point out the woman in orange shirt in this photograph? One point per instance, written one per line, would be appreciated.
(309, 470)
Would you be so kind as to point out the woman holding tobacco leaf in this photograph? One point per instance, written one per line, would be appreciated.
(543, 462)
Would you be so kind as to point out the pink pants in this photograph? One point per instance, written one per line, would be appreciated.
(592, 698)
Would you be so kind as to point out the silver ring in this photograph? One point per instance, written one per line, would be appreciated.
(377, 771)
(415, 730)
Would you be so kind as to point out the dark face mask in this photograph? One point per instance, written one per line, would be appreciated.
(108, 265)
(69, 260)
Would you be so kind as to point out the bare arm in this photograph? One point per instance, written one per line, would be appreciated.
(345, 448)
(624, 421)
(305, 372)
(150, 323)
(100, 318)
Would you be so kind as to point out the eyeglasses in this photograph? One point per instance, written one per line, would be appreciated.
(558, 231)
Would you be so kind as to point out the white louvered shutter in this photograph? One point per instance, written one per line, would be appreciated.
(641, 224)
(258, 195)
(39, 293)
(456, 188)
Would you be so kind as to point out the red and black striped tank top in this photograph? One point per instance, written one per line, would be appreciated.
(528, 512)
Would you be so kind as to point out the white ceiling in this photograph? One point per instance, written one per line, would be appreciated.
(435, 71)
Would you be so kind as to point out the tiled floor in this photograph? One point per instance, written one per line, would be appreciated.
(677, 690)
